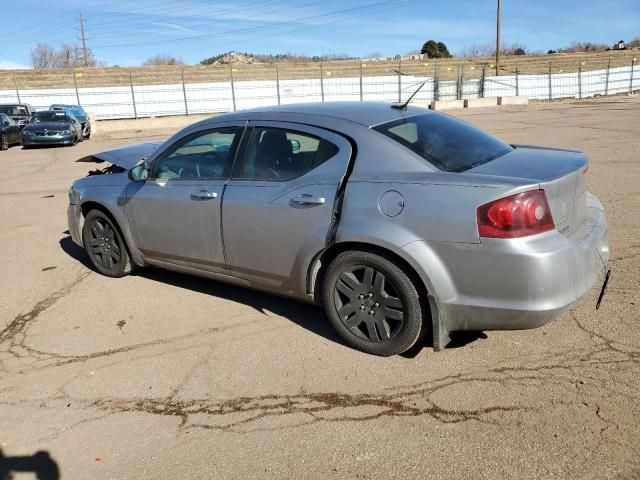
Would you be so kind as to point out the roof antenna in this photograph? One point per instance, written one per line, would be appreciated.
(403, 106)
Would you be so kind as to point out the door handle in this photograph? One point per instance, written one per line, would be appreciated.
(308, 199)
(203, 195)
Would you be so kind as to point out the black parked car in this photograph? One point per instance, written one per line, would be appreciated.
(78, 112)
(20, 113)
(52, 128)
(9, 132)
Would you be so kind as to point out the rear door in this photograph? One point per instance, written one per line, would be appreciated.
(277, 209)
(175, 214)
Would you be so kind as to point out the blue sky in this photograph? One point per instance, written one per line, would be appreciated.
(125, 32)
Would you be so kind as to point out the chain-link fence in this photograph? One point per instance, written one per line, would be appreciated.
(143, 92)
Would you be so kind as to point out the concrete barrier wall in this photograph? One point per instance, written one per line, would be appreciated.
(481, 102)
(446, 104)
(519, 100)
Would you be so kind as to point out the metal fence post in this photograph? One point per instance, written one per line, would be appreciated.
(606, 82)
(233, 88)
(361, 96)
(482, 80)
(15, 82)
(580, 82)
(133, 95)
(75, 84)
(321, 83)
(278, 83)
(517, 82)
(633, 63)
(436, 83)
(550, 90)
(400, 80)
(458, 94)
(184, 95)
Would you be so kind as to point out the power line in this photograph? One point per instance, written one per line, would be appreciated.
(369, 6)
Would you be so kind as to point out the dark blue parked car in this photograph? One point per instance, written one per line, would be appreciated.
(78, 112)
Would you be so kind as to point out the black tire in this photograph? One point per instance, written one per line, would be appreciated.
(392, 319)
(103, 243)
(4, 142)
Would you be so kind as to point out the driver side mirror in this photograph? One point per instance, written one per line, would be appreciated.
(140, 172)
(6, 123)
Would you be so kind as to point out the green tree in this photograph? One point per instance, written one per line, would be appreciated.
(435, 49)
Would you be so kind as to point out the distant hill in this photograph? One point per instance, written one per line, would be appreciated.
(234, 57)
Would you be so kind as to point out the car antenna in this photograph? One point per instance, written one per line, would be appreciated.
(403, 106)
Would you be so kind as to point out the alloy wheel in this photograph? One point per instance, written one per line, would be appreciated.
(368, 304)
(103, 244)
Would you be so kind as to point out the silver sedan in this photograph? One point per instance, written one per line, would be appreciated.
(399, 221)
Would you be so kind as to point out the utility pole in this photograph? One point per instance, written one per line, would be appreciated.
(84, 41)
(498, 39)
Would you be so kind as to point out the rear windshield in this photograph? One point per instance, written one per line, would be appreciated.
(449, 144)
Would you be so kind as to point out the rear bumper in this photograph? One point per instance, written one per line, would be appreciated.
(521, 283)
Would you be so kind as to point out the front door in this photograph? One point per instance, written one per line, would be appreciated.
(175, 214)
(277, 210)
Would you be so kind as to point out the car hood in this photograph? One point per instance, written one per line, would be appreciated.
(127, 157)
(48, 126)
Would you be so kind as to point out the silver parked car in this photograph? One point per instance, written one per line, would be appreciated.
(400, 221)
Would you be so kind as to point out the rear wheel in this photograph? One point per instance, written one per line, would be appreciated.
(372, 303)
(104, 245)
(4, 142)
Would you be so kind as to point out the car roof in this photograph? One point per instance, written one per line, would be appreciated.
(364, 113)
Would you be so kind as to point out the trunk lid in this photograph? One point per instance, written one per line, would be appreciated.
(559, 172)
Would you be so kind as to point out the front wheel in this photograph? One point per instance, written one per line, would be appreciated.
(4, 142)
(372, 303)
(104, 245)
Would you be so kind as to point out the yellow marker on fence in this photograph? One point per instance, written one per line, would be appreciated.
(449, 68)
(364, 65)
(78, 74)
(560, 71)
(234, 69)
(328, 74)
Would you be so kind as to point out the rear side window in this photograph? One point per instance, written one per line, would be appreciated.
(277, 154)
(449, 144)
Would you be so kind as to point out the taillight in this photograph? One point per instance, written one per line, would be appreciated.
(516, 216)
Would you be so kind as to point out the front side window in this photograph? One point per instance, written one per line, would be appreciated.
(202, 155)
(277, 154)
(447, 143)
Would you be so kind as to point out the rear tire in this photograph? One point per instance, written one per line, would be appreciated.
(105, 246)
(4, 142)
(372, 303)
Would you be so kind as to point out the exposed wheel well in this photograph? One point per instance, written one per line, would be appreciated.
(318, 267)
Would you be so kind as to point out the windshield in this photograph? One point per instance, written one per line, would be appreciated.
(14, 110)
(51, 116)
(449, 144)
